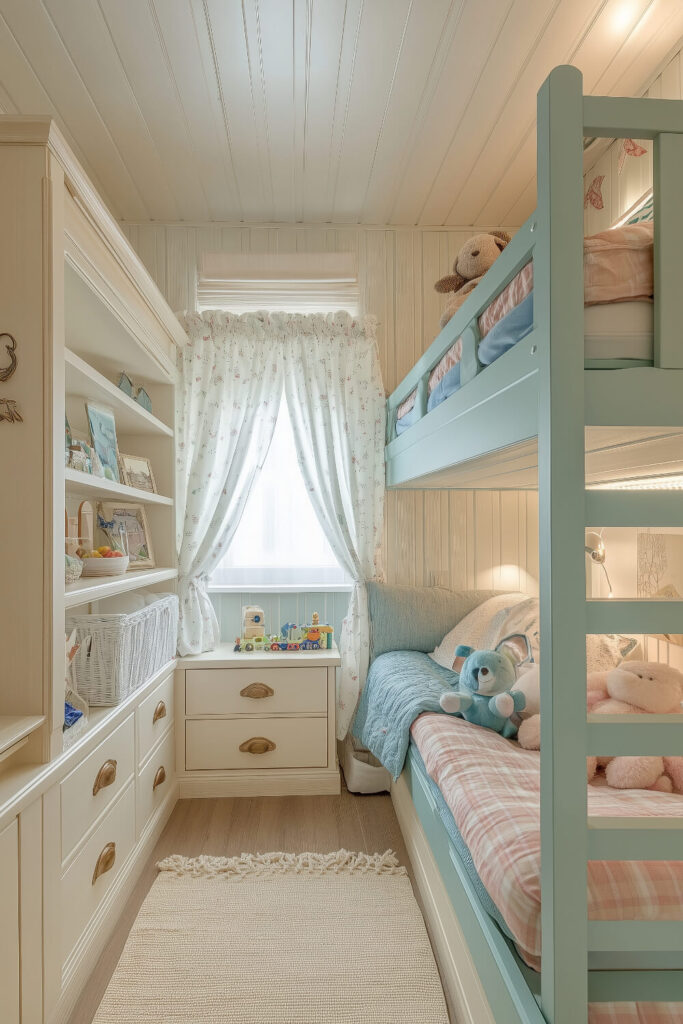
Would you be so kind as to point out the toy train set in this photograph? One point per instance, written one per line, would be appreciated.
(316, 637)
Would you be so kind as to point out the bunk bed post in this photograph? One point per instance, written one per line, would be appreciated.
(558, 309)
(668, 196)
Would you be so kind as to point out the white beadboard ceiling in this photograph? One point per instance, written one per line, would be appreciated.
(343, 111)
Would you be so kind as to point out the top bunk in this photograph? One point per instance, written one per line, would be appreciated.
(467, 414)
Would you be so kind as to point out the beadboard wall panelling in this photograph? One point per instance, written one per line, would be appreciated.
(280, 608)
(366, 111)
(621, 189)
(462, 539)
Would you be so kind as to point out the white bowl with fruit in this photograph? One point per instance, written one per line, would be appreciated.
(104, 561)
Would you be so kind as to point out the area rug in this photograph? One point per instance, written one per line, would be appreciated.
(277, 938)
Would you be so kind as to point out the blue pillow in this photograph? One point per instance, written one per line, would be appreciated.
(514, 326)
(449, 383)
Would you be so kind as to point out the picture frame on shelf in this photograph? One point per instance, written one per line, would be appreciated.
(136, 471)
(102, 425)
(125, 384)
(127, 522)
(143, 399)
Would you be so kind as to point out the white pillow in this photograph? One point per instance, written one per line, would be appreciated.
(507, 614)
(483, 628)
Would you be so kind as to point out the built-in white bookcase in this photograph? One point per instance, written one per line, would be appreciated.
(81, 309)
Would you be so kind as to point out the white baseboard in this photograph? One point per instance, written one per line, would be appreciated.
(271, 782)
(464, 992)
(82, 960)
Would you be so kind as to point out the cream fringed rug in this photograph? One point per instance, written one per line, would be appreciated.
(277, 938)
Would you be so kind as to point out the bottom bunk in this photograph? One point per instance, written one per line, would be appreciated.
(504, 981)
(468, 801)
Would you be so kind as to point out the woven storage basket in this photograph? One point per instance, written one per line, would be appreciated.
(120, 652)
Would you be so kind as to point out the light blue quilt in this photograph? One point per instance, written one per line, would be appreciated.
(400, 686)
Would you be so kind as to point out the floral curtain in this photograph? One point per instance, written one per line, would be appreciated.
(228, 400)
(336, 404)
(232, 378)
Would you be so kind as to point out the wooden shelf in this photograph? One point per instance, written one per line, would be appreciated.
(96, 588)
(99, 487)
(15, 728)
(84, 382)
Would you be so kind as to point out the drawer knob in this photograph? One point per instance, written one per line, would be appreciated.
(159, 712)
(159, 778)
(105, 776)
(105, 861)
(257, 745)
(257, 691)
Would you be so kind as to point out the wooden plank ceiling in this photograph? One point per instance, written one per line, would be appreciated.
(343, 111)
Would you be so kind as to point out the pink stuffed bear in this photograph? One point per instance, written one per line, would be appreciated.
(636, 688)
(633, 688)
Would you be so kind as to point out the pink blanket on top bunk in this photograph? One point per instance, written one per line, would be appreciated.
(492, 788)
(618, 267)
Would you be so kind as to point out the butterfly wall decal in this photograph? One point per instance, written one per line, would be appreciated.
(593, 196)
(629, 147)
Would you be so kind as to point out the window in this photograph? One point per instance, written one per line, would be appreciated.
(279, 543)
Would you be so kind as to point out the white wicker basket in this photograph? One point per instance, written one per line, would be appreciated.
(121, 651)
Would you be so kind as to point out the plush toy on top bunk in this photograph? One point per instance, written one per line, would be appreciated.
(632, 688)
(477, 255)
(484, 695)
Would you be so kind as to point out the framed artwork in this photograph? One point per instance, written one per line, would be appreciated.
(103, 432)
(660, 565)
(137, 472)
(126, 529)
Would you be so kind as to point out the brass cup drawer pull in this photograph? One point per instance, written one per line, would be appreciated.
(257, 745)
(105, 861)
(257, 691)
(159, 712)
(159, 778)
(105, 776)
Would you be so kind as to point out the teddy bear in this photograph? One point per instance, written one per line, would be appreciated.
(484, 694)
(474, 259)
(633, 687)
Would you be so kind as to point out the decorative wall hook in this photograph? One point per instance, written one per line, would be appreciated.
(9, 411)
(7, 371)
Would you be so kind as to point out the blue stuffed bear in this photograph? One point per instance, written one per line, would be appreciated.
(484, 694)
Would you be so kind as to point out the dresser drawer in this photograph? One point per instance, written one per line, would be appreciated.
(249, 691)
(154, 717)
(155, 781)
(92, 786)
(215, 743)
(88, 879)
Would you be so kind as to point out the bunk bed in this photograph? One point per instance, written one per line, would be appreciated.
(543, 416)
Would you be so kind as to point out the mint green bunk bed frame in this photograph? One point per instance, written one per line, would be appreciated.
(533, 405)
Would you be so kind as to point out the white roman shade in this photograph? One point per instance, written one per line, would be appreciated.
(291, 282)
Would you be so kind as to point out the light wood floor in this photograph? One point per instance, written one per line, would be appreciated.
(226, 828)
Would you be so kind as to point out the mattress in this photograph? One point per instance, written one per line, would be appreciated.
(492, 789)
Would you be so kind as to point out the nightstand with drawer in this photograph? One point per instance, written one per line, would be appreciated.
(257, 724)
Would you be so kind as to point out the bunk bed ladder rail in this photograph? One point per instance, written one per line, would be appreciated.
(568, 401)
(657, 945)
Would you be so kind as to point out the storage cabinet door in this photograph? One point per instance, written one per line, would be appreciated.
(9, 924)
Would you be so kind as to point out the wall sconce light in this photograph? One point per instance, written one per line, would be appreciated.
(595, 547)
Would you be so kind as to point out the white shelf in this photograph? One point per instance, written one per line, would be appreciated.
(96, 486)
(84, 382)
(15, 728)
(96, 588)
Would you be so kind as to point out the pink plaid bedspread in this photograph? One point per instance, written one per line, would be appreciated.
(492, 788)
